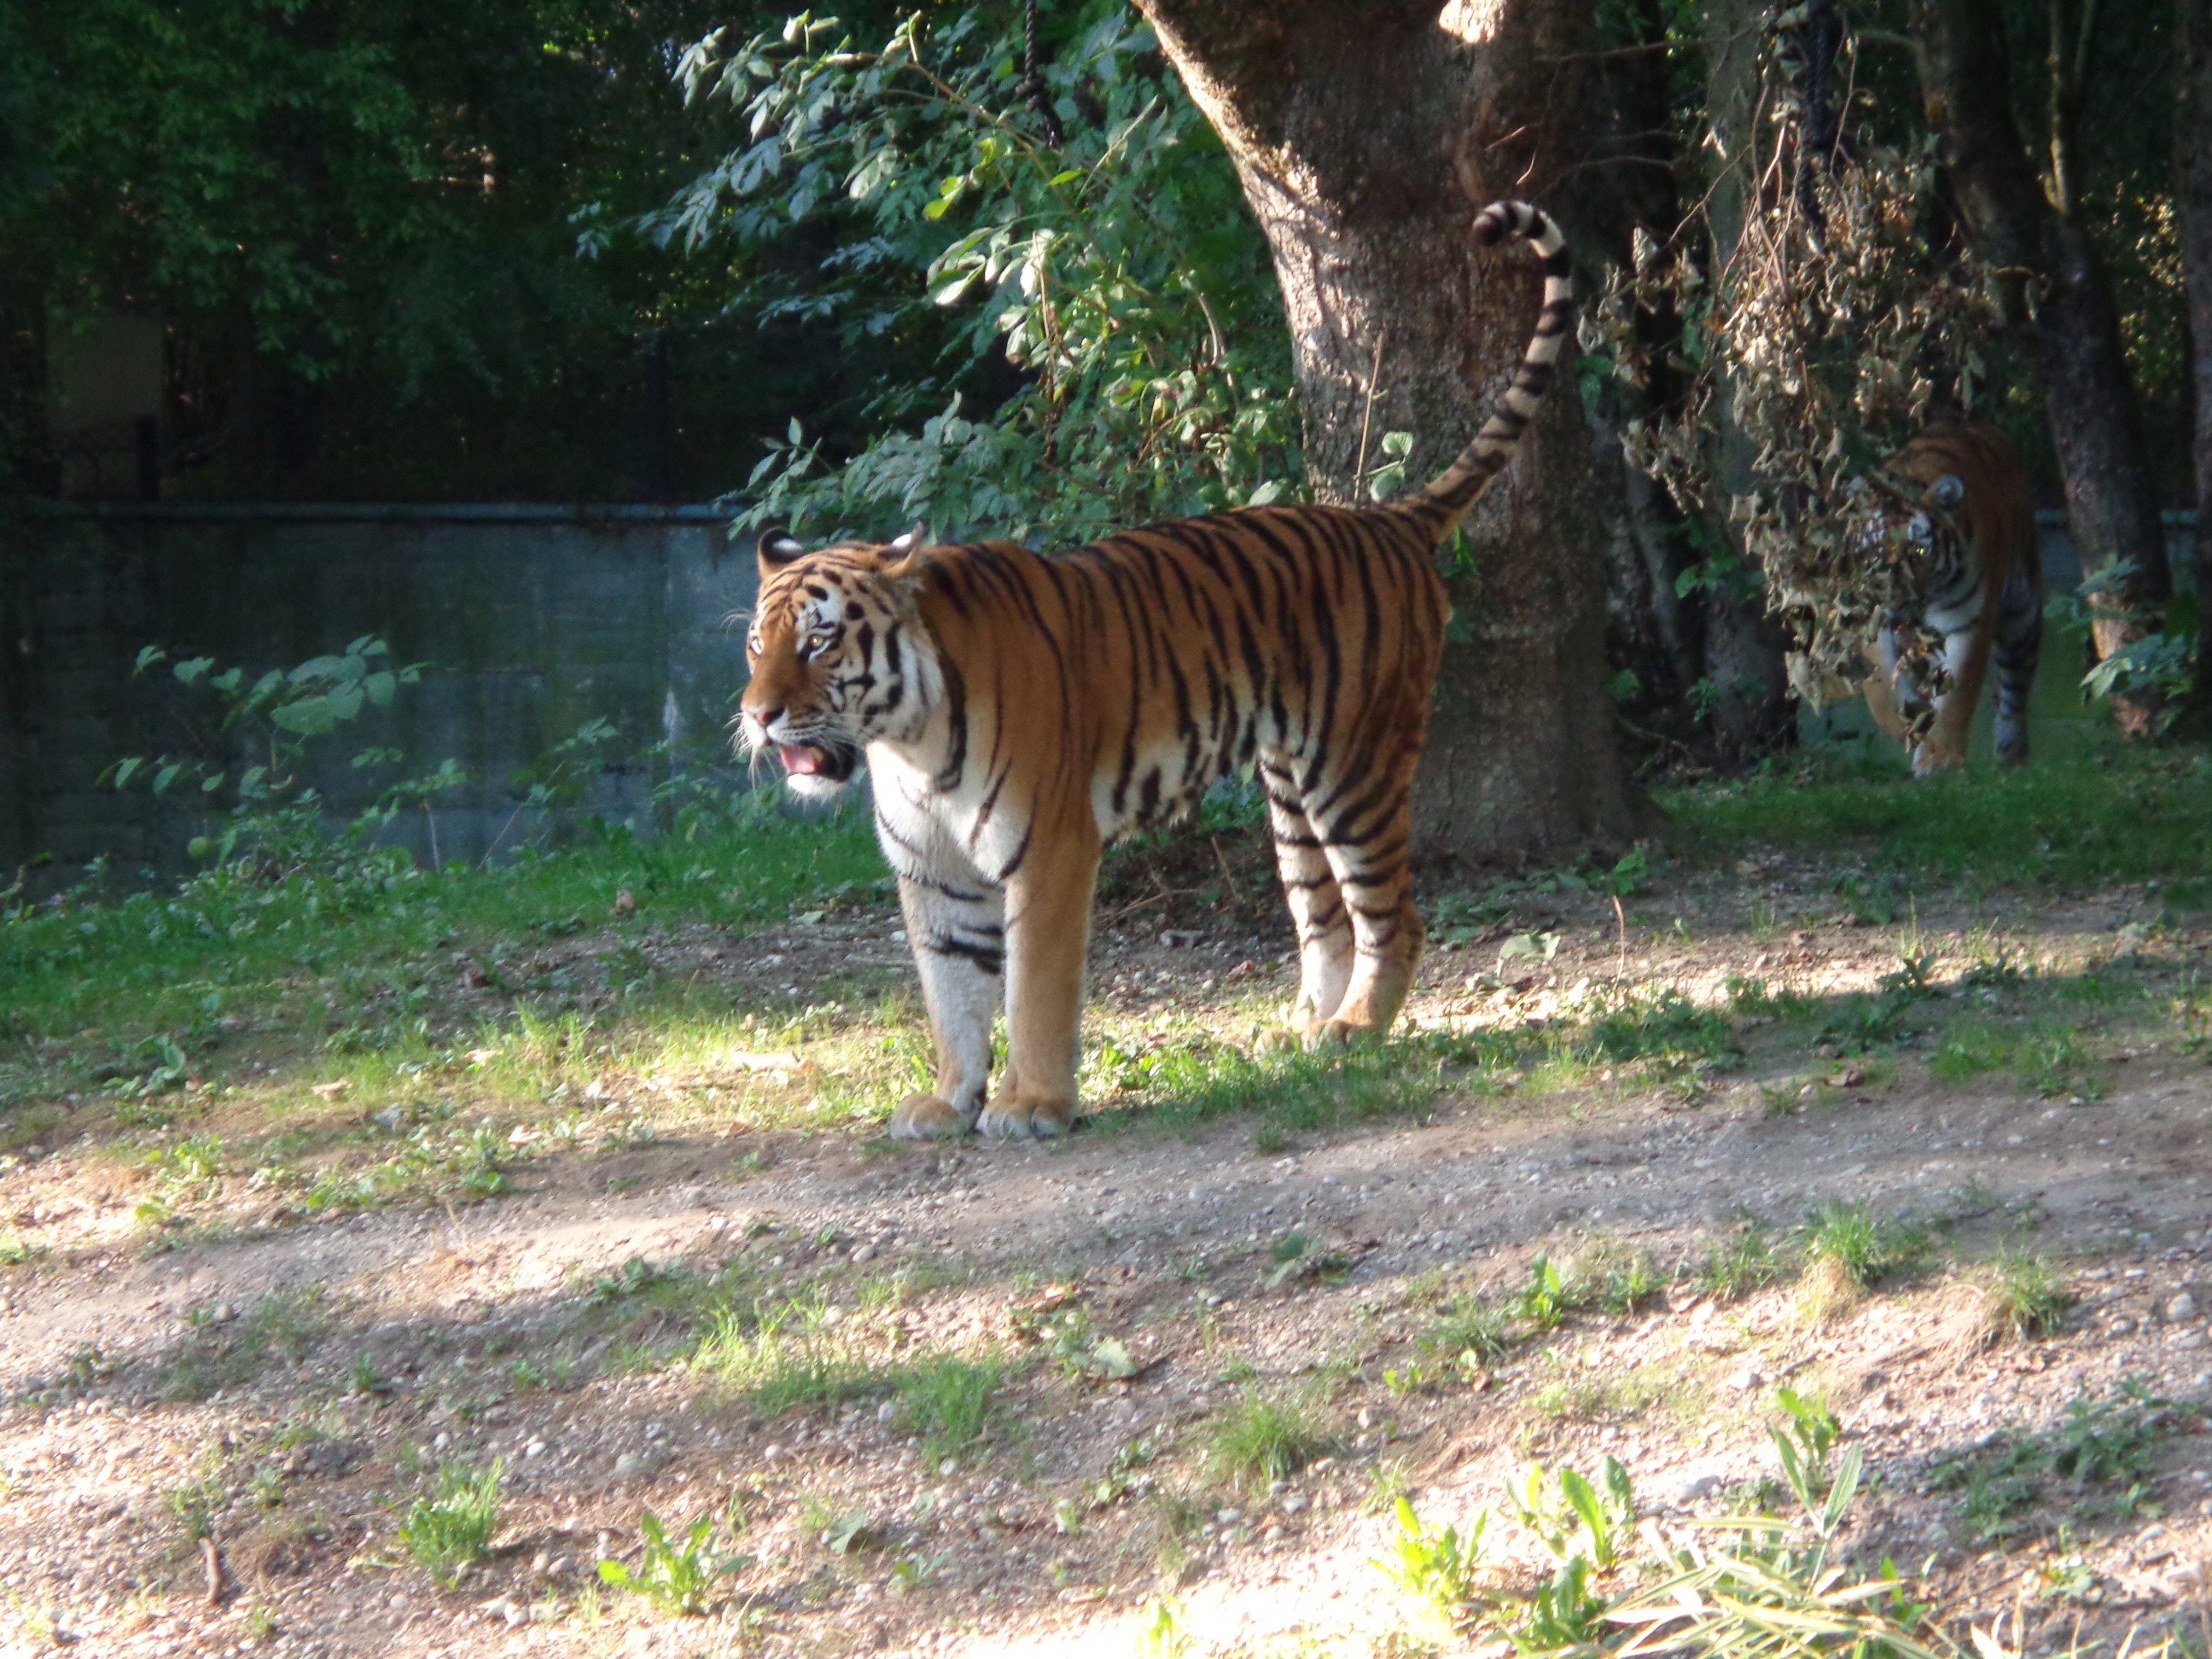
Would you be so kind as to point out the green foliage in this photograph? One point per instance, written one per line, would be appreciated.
(266, 821)
(1812, 1435)
(1435, 1564)
(1266, 1436)
(1469, 1331)
(449, 1529)
(2109, 1442)
(1572, 1516)
(356, 225)
(1864, 1248)
(1161, 1635)
(2028, 1297)
(1742, 1260)
(946, 1398)
(1664, 1026)
(677, 1574)
(1546, 1299)
(1117, 271)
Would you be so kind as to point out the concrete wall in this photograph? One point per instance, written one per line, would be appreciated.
(531, 620)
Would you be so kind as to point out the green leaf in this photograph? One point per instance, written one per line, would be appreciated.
(309, 717)
(147, 656)
(1109, 1358)
(125, 769)
(379, 686)
(193, 669)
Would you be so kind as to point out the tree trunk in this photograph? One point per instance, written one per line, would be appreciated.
(2192, 192)
(1367, 133)
(2056, 289)
(1747, 698)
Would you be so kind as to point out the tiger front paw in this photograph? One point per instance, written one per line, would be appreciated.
(926, 1117)
(1342, 1033)
(1025, 1120)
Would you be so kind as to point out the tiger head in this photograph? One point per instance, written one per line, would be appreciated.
(1942, 495)
(839, 657)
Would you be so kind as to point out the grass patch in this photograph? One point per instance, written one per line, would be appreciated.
(1969, 1050)
(2027, 1297)
(132, 996)
(946, 1399)
(1470, 1331)
(1743, 1261)
(2104, 1446)
(1266, 1436)
(447, 1530)
(780, 1355)
(1865, 1248)
(223, 1349)
(1195, 1078)
(2124, 813)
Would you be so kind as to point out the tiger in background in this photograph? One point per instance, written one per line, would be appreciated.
(1982, 588)
(1019, 711)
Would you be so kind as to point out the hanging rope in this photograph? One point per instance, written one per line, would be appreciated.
(1031, 86)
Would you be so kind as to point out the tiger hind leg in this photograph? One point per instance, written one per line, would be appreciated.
(2020, 644)
(1327, 950)
(1375, 876)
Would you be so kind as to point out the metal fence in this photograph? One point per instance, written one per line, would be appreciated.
(530, 621)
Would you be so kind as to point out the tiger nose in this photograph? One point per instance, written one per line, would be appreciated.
(765, 718)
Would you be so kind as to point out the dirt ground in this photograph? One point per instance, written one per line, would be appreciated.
(387, 1341)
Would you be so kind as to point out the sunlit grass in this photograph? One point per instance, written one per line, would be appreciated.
(2125, 813)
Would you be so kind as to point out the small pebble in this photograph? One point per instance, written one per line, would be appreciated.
(2181, 1307)
(630, 1463)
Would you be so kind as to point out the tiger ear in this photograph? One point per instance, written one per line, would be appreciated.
(777, 549)
(1948, 492)
(905, 551)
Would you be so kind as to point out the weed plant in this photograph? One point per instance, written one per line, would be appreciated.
(1759, 1584)
(1742, 1262)
(946, 1398)
(2027, 1297)
(677, 1574)
(2104, 1447)
(1861, 1247)
(449, 1528)
(1266, 1436)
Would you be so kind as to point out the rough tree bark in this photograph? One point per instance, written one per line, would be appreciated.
(2056, 290)
(2192, 192)
(1367, 133)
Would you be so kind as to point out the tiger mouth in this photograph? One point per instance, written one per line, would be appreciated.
(833, 762)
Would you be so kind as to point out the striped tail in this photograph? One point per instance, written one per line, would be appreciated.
(1446, 501)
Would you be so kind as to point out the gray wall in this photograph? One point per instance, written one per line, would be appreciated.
(532, 620)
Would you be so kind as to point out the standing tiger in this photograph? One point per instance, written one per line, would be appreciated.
(1018, 711)
(1983, 587)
